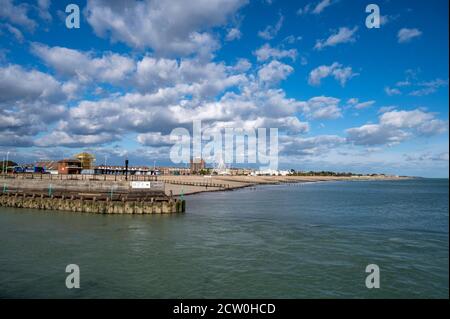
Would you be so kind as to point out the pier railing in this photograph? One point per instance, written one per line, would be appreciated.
(80, 177)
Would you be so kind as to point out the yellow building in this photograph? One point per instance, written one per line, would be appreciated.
(87, 160)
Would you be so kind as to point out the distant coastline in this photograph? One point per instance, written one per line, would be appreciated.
(175, 185)
(194, 184)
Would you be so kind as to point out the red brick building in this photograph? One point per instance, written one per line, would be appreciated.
(197, 165)
(69, 166)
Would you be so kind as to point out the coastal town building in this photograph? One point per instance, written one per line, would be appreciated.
(69, 166)
(270, 172)
(241, 171)
(50, 167)
(175, 171)
(7, 166)
(87, 160)
(120, 170)
(197, 165)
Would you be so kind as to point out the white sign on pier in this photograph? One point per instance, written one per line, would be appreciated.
(147, 185)
(141, 185)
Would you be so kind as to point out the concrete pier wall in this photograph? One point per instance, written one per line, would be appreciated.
(71, 204)
(73, 185)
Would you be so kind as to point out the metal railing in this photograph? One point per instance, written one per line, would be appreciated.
(80, 177)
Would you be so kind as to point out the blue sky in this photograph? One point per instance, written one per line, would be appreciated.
(344, 97)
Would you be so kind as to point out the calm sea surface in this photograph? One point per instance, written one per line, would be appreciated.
(301, 241)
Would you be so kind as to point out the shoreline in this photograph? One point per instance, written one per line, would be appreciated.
(180, 185)
(191, 185)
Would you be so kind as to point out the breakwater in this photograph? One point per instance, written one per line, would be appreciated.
(96, 197)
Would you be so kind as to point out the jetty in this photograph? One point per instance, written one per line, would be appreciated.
(89, 196)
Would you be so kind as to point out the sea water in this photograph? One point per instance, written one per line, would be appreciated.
(281, 241)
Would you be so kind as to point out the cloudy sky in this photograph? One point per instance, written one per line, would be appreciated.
(344, 97)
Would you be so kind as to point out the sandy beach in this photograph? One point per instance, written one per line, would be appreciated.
(187, 185)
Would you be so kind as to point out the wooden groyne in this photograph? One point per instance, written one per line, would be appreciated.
(90, 197)
(199, 184)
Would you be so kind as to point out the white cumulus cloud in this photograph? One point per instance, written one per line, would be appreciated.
(343, 35)
(168, 27)
(267, 52)
(405, 35)
(338, 71)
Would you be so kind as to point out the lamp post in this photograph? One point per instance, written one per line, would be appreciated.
(6, 164)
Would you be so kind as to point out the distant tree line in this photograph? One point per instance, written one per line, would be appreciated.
(206, 171)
